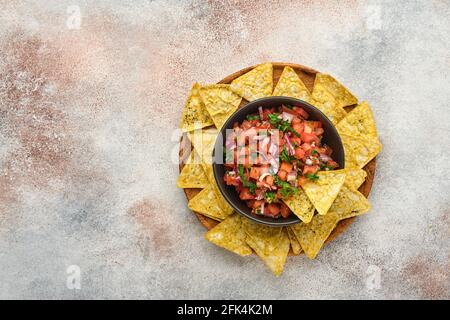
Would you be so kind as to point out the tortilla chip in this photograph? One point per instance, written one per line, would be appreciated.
(359, 121)
(192, 176)
(295, 245)
(220, 102)
(205, 203)
(255, 84)
(325, 102)
(301, 206)
(349, 203)
(290, 85)
(324, 190)
(208, 169)
(276, 258)
(354, 178)
(265, 237)
(312, 236)
(230, 235)
(195, 115)
(359, 150)
(340, 93)
(203, 142)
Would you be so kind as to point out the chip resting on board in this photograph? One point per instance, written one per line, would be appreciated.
(205, 202)
(340, 93)
(295, 245)
(313, 235)
(359, 150)
(195, 115)
(192, 174)
(301, 206)
(208, 169)
(255, 84)
(349, 203)
(325, 189)
(203, 142)
(265, 237)
(326, 103)
(359, 121)
(290, 85)
(354, 177)
(220, 102)
(229, 234)
(276, 258)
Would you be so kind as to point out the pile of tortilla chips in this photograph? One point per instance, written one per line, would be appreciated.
(319, 205)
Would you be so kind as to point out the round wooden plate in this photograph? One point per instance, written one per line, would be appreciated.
(307, 75)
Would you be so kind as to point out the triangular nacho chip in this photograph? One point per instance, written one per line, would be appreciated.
(195, 115)
(354, 177)
(203, 141)
(359, 150)
(255, 84)
(290, 85)
(301, 206)
(276, 258)
(208, 169)
(325, 102)
(295, 245)
(265, 237)
(324, 190)
(205, 202)
(359, 121)
(192, 176)
(340, 93)
(312, 236)
(230, 235)
(220, 102)
(349, 203)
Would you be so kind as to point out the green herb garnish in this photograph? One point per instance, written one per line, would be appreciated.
(253, 117)
(250, 185)
(284, 155)
(286, 189)
(270, 196)
(312, 176)
(281, 124)
(314, 152)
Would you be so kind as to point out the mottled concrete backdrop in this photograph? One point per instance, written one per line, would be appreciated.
(91, 91)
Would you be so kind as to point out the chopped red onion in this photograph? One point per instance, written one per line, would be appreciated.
(292, 176)
(260, 110)
(261, 178)
(262, 207)
(290, 148)
(324, 158)
(287, 116)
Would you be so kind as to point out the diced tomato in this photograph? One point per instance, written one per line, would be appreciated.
(296, 141)
(246, 124)
(245, 194)
(310, 169)
(319, 131)
(273, 209)
(296, 120)
(299, 153)
(287, 110)
(269, 180)
(285, 211)
(254, 173)
(286, 166)
(230, 180)
(260, 184)
(257, 203)
(332, 164)
(314, 124)
(266, 113)
(282, 174)
(299, 127)
(302, 180)
(309, 137)
(301, 112)
(306, 147)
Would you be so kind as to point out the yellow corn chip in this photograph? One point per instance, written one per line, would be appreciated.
(276, 258)
(205, 202)
(359, 121)
(230, 235)
(203, 142)
(195, 115)
(312, 236)
(295, 245)
(301, 206)
(192, 175)
(326, 103)
(324, 190)
(290, 85)
(340, 93)
(220, 102)
(255, 84)
(226, 208)
(349, 203)
(359, 150)
(265, 237)
(354, 177)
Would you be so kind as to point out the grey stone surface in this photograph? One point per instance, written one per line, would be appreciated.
(86, 130)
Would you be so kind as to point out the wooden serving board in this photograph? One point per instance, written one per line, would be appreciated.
(308, 76)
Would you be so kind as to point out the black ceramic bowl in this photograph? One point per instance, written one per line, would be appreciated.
(330, 137)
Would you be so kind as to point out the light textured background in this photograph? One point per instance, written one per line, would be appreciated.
(86, 130)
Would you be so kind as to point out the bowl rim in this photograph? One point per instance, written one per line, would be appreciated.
(219, 142)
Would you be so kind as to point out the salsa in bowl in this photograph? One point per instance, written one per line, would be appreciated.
(267, 150)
